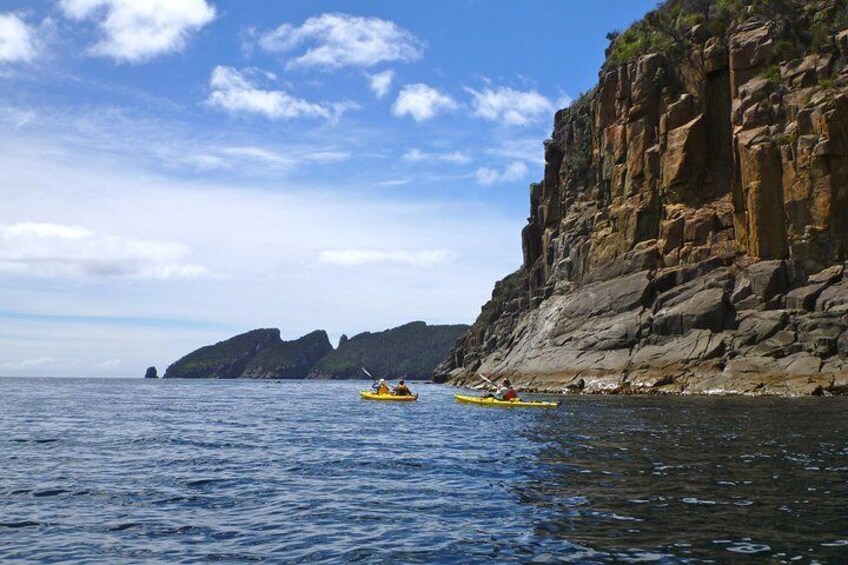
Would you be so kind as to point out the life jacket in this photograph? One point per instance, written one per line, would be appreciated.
(403, 390)
(383, 389)
(510, 394)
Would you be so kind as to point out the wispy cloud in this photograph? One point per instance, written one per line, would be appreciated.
(18, 43)
(359, 257)
(393, 182)
(508, 106)
(529, 150)
(27, 363)
(455, 157)
(422, 102)
(259, 154)
(515, 171)
(340, 40)
(47, 250)
(172, 147)
(134, 31)
(238, 92)
(380, 83)
(259, 159)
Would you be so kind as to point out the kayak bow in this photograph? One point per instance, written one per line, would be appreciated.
(505, 403)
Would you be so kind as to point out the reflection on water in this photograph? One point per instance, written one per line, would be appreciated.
(102, 471)
(695, 478)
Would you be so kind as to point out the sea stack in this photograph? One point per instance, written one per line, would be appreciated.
(151, 373)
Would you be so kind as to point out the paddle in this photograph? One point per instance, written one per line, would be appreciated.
(373, 380)
(490, 382)
(479, 374)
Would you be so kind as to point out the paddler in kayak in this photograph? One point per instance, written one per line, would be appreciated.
(381, 387)
(504, 392)
(401, 389)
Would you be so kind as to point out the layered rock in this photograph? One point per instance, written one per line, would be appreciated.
(258, 354)
(690, 230)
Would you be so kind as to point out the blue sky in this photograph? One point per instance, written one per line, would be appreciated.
(178, 171)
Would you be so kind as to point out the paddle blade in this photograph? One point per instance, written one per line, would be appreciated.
(485, 379)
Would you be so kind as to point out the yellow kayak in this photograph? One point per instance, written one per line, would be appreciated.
(505, 403)
(368, 395)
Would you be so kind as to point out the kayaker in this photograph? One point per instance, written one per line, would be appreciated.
(504, 392)
(381, 387)
(401, 389)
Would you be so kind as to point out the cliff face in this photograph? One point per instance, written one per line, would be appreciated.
(690, 230)
(259, 354)
(411, 351)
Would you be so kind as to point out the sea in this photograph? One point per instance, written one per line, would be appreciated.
(198, 471)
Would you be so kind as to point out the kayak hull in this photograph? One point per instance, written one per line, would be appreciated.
(504, 403)
(367, 395)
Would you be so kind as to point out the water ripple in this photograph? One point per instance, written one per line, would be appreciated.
(101, 471)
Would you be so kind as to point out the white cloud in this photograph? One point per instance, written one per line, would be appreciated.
(338, 40)
(359, 257)
(237, 92)
(393, 182)
(17, 40)
(564, 101)
(515, 171)
(380, 83)
(510, 107)
(530, 150)
(267, 159)
(136, 31)
(421, 102)
(327, 156)
(109, 364)
(259, 154)
(27, 363)
(48, 250)
(456, 157)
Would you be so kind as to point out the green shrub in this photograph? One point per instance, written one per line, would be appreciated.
(827, 84)
(772, 75)
(786, 50)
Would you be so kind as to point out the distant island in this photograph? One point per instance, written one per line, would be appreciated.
(410, 351)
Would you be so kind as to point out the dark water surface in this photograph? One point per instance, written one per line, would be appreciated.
(117, 471)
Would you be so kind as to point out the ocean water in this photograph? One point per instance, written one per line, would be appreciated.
(134, 471)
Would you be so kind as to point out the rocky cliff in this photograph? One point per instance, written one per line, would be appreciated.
(259, 354)
(690, 231)
(411, 351)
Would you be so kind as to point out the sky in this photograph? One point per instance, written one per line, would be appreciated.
(175, 172)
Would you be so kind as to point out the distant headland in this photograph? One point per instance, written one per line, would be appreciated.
(410, 351)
